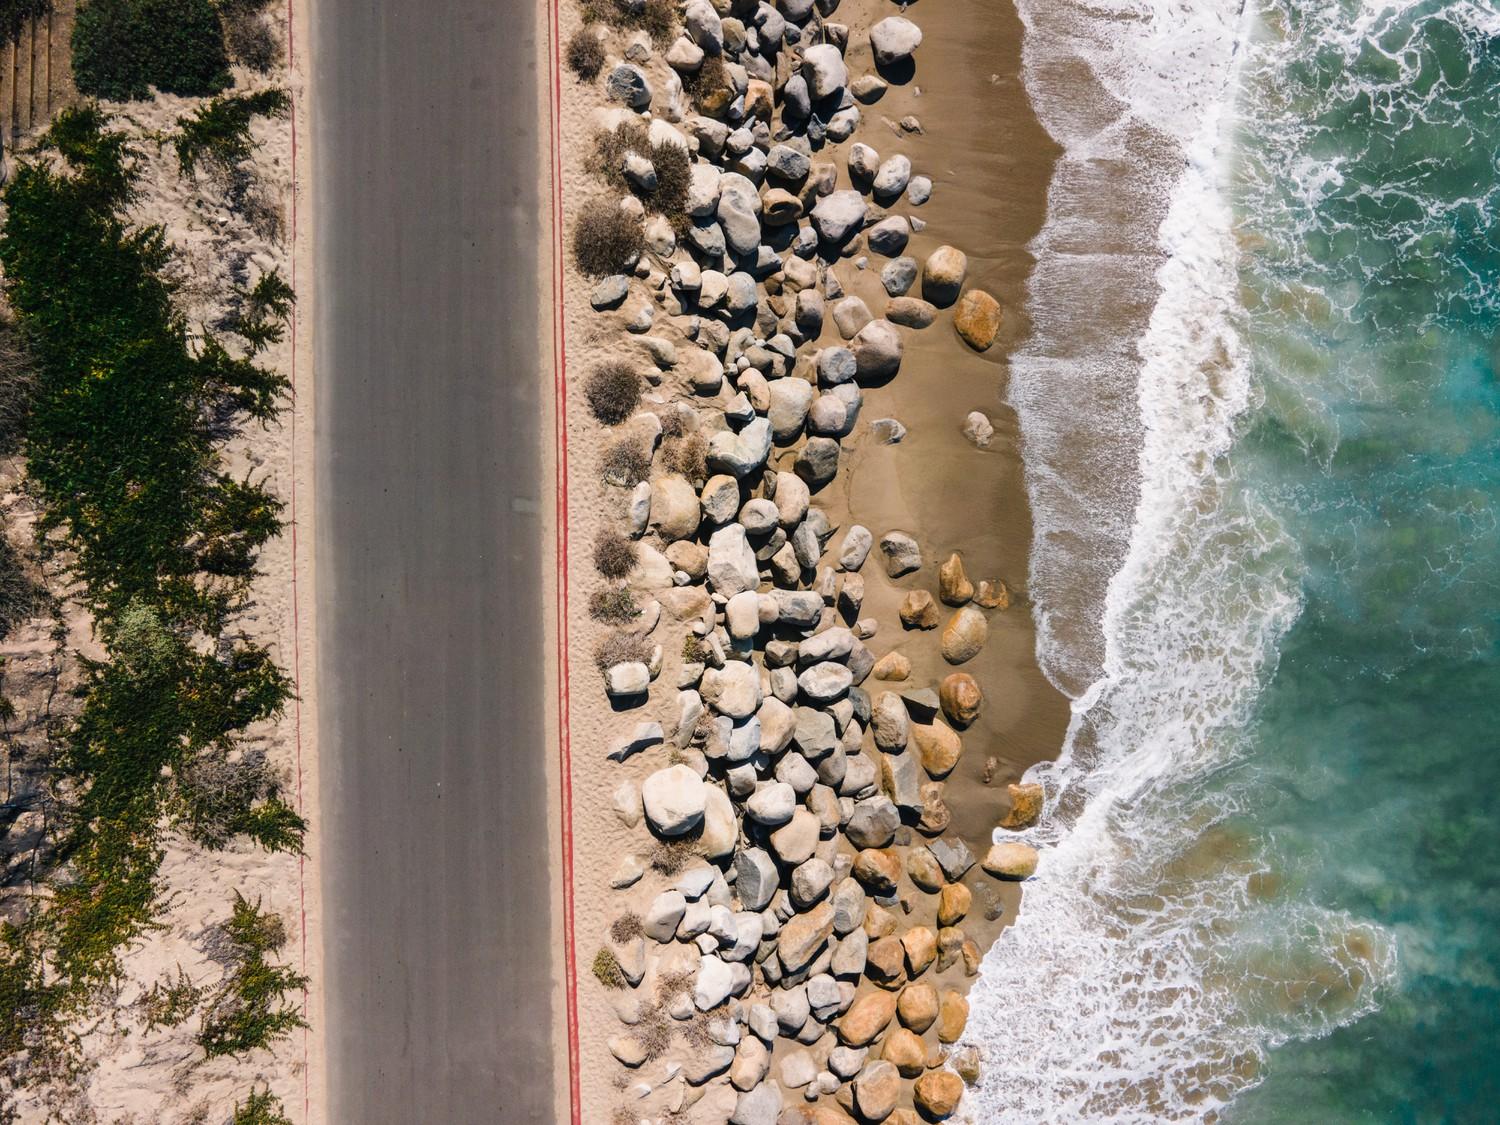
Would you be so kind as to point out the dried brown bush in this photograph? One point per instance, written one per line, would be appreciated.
(613, 605)
(627, 927)
(675, 423)
(668, 857)
(707, 78)
(657, 18)
(687, 455)
(613, 391)
(621, 648)
(614, 555)
(625, 464)
(586, 53)
(606, 240)
(672, 164)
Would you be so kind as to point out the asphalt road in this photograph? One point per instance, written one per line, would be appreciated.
(431, 654)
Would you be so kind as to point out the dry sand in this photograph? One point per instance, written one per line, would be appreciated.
(991, 163)
(136, 1077)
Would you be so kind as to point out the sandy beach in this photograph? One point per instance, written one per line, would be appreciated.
(989, 163)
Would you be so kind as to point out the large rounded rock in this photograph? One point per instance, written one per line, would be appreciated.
(918, 610)
(790, 399)
(938, 747)
(772, 804)
(920, 944)
(818, 461)
(893, 39)
(866, 1018)
(911, 312)
(675, 510)
(937, 1093)
(796, 840)
(733, 690)
(905, 1050)
(877, 351)
(953, 1016)
(825, 682)
(892, 178)
(721, 828)
(964, 635)
(943, 275)
(839, 216)
(889, 236)
(877, 1088)
(961, 698)
(804, 936)
(824, 70)
(953, 904)
(977, 319)
(627, 83)
(720, 498)
(674, 799)
(1011, 860)
(917, 1006)
(879, 869)
(902, 554)
(731, 561)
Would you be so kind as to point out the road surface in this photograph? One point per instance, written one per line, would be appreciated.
(429, 537)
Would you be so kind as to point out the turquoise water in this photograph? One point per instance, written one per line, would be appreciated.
(1367, 185)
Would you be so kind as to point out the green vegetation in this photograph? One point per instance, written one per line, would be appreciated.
(607, 969)
(16, 14)
(218, 134)
(121, 441)
(261, 1108)
(250, 1009)
(122, 48)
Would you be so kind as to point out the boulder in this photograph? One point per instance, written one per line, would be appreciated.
(772, 804)
(943, 275)
(752, 1062)
(877, 1088)
(818, 461)
(917, 1007)
(824, 70)
(890, 722)
(627, 680)
(850, 314)
(954, 587)
(902, 554)
(953, 903)
(674, 800)
(1026, 800)
(885, 961)
(674, 507)
(1011, 860)
(918, 609)
(953, 856)
(713, 983)
(866, 1018)
(790, 399)
(878, 869)
(938, 747)
(920, 944)
(797, 839)
(877, 351)
(905, 1050)
(721, 828)
(755, 879)
(731, 562)
(825, 682)
(760, 1106)
(992, 594)
(864, 162)
(892, 667)
(977, 319)
(741, 453)
(892, 178)
(923, 869)
(961, 698)
(664, 915)
(910, 312)
(733, 690)
(873, 823)
(804, 937)
(978, 429)
(896, 277)
(937, 1093)
(839, 216)
(627, 83)
(953, 1016)
(855, 547)
(849, 906)
(893, 39)
(964, 635)
(889, 236)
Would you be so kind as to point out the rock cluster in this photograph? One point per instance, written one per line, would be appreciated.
(792, 816)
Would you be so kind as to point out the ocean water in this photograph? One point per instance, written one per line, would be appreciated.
(1270, 889)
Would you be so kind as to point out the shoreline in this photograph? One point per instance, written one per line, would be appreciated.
(1024, 717)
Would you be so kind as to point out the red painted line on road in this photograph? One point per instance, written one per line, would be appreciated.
(296, 608)
(560, 406)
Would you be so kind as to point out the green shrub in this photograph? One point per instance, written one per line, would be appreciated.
(123, 48)
(250, 1009)
(613, 605)
(261, 1108)
(607, 969)
(218, 134)
(15, 14)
